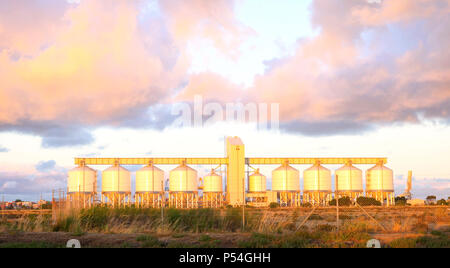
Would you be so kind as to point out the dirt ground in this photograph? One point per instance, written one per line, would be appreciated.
(95, 240)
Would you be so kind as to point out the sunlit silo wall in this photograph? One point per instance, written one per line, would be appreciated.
(380, 184)
(82, 179)
(317, 185)
(81, 187)
(349, 181)
(212, 183)
(183, 187)
(286, 184)
(116, 186)
(257, 183)
(257, 189)
(212, 190)
(149, 187)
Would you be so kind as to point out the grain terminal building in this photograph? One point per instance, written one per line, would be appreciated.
(187, 190)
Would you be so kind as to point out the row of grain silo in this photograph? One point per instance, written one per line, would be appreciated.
(317, 186)
(184, 186)
(150, 192)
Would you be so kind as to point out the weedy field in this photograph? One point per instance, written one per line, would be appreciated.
(408, 227)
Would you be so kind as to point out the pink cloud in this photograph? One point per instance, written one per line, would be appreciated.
(213, 20)
(400, 11)
(95, 69)
(28, 26)
(328, 79)
(100, 65)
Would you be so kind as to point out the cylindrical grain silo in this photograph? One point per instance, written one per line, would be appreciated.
(149, 179)
(212, 183)
(257, 183)
(212, 190)
(116, 186)
(380, 184)
(317, 185)
(81, 187)
(286, 184)
(149, 187)
(349, 181)
(183, 187)
(82, 179)
(257, 190)
(285, 179)
(183, 179)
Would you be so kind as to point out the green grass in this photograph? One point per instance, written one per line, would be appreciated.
(258, 240)
(296, 241)
(433, 242)
(315, 217)
(205, 238)
(178, 235)
(322, 236)
(180, 245)
(31, 245)
(270, 228)
(195, 220)
(28, 223)
(126, 245)
(441, 241)
(148, 241)
(68, 224)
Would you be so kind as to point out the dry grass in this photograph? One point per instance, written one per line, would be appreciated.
(278, 226)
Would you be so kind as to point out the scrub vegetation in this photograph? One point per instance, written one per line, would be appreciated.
(207, 228)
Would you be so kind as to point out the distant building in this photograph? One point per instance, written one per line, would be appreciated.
(431, 200)
(23, 205)
(416, 202)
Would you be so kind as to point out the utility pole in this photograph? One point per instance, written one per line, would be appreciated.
(3, 207)
(243, 208)
(162, 204)
(243, 193)
(336, 195)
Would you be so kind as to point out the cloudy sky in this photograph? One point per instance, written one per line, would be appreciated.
(102, 78)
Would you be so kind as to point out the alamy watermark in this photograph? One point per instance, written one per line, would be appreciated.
(373, 243)
(199, 114)
(73, 243)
